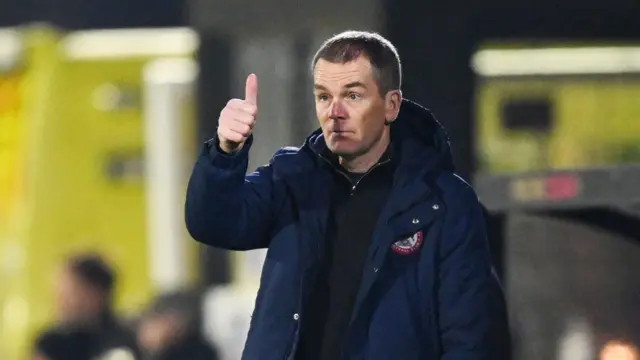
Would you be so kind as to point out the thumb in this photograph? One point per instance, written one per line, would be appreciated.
(251, 90)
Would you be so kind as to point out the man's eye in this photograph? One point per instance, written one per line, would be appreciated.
(354, 96)
(322, 97)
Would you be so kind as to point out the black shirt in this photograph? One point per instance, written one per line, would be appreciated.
(59, 343)
(194, 347)
(357, 201)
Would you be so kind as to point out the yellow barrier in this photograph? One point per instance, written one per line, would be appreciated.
(71, 175)
(557, 107)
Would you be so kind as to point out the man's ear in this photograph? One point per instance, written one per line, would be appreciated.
(392, 102)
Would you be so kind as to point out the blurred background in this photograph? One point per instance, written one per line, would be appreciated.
(104, 106)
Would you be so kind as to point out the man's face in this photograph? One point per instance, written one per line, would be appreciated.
(159, 331)
(351, 111)
(76, 301)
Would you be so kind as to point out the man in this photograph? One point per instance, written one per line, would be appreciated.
(377, 250)
(171, 329)
(87, 328)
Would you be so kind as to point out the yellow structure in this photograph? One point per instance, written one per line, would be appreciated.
(556, 107)
(72, 151)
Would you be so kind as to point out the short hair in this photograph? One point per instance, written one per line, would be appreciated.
(94, 271)
(350, 45)
(186, 304)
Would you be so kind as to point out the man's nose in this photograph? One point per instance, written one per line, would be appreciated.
(337, 110)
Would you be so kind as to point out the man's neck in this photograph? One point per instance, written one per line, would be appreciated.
(362, 163)
(89, 321)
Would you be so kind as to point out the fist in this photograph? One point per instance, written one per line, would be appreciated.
(238, 118)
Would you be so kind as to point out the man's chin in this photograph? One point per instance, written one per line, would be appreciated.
(344, 151)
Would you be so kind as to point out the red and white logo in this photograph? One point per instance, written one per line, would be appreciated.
(409, 245)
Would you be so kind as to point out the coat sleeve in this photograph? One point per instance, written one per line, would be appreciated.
(226, 209)
(472, 312)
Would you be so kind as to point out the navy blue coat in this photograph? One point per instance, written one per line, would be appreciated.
(428, 290)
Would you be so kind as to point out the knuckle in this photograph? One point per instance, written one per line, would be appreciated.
(252, 110)
(237, 103)
(224, 114)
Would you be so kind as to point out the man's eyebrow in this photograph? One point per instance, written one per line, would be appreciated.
(350, 85)
(354, 84)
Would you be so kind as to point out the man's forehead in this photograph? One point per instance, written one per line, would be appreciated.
(340, 74)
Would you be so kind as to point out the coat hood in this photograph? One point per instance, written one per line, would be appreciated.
(417, 137)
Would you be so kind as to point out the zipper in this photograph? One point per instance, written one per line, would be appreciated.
(354, 186)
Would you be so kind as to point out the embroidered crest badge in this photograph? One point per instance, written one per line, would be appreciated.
(409, 245)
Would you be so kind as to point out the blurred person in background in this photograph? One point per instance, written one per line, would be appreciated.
(171, 330)
(87, 328)
(377, 249)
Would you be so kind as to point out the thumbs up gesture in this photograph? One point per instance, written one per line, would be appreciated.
(238, 117)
